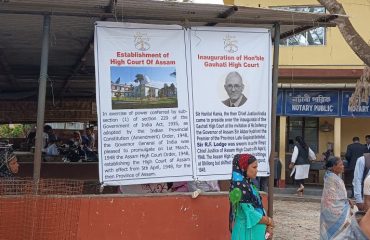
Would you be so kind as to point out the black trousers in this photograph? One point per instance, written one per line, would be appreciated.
(299, 182)
(348, 178)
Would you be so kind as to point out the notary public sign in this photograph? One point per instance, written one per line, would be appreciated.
(353, 111)
(312, 103)
(176, 104)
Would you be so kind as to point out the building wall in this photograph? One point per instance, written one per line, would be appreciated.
(333, 62)
(175, 217)
(113, 217)
(336, 53)
(325, 137)
(354, 127)
(350, 127)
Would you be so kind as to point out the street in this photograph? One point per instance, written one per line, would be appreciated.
(296, 220)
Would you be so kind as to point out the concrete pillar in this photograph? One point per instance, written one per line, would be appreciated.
(337, 136)
(282, 147)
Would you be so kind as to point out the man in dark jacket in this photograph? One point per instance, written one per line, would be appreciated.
(354, 151)
(367, 144)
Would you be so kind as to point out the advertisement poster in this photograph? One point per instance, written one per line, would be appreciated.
(166, 96)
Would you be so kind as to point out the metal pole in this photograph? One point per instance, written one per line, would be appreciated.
(41, 99)
(275, 76)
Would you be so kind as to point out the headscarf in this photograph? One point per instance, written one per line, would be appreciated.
(240, 180)
(6, 155)
(335, 214)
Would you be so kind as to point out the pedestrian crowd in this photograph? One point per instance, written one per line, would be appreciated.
(340, 217)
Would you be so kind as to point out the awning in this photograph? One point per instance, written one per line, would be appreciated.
(71, 61)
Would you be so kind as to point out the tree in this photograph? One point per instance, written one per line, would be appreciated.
(141, 79)
(15, 131)
(173, 90)
(117, 94)
(349, 33)
(359, 47)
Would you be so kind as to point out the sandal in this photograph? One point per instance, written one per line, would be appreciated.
(300, 189)
(300, 193)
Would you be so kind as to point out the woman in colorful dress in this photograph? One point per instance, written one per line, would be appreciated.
(248, 219)
(337, 220)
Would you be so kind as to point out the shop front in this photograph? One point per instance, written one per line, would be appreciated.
(324, 119)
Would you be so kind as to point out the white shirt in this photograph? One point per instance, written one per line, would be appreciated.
(52, 150)
(311, 154)
(357, 179)
(367, 186)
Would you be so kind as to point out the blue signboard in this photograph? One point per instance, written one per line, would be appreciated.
(312, 103)
(357, 111)
(280, 102)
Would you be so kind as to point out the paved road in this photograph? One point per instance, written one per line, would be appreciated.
(296, 220)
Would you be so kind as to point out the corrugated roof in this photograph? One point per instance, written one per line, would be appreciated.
(71, 62)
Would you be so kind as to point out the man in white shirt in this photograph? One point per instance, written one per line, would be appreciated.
(367, 193)
(361, 172)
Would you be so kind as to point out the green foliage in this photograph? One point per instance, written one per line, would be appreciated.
(14, 131)
(117, 94)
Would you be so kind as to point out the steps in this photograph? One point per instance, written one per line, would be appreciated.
(312, 191)
(311, 194)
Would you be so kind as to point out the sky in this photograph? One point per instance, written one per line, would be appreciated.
(157, 75)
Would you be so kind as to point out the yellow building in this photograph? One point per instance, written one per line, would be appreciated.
(321, 62)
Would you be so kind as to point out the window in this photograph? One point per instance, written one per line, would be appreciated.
(312, 37)
(305, 127)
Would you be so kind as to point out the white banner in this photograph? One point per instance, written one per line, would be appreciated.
(164, 95)
(231, 83)
(142, 99)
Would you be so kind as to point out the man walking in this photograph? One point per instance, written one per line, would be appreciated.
(354, 151)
